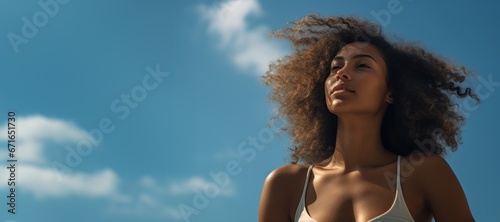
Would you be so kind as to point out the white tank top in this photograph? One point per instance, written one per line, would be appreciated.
(397, 213)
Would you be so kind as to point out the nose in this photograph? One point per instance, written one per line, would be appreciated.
(343, 74)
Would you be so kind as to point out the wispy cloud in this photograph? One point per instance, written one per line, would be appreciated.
(42, 183)
(36, 131)
(144, 206)
(151, 198)
(183, 187)
(38, 127)
(248, 47)
(187, 186)
(36, 134)
(155, 198)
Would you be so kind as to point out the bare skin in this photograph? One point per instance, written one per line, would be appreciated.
(353, 184)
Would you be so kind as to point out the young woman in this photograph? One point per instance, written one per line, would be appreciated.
(372, 119)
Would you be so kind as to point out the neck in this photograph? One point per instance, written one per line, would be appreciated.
(359, 143)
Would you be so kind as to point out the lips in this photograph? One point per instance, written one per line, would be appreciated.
(342, 87)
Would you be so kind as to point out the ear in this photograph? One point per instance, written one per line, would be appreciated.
(388, 98)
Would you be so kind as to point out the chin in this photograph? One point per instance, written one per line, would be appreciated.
(339, 110)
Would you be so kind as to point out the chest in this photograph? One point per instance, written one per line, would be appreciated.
(357, 196)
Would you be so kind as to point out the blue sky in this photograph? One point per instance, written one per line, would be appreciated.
(133, 110)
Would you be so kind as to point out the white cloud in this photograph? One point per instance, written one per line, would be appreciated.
(150, 184)
(33, 133)
(31, 151)
(39, 127)
(155, 199)
(249, 48)
(145, 206)
(198, 183)
(43, 183)
(36, 176)
(186, 186)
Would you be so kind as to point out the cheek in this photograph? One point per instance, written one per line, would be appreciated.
(376, 91)
(328, 84)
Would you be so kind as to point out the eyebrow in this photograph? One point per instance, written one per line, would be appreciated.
(357, 56)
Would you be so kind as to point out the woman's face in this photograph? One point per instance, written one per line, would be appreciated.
(357, 83)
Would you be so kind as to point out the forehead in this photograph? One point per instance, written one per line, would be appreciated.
(355, 48)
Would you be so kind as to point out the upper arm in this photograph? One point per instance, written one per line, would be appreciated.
(442, 191)
(278, 194)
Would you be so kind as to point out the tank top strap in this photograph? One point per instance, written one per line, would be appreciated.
(307, 181)
(301, 204)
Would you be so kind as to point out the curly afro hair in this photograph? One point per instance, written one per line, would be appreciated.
(422, 86)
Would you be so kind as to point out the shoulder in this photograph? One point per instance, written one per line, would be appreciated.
(435, 173)
(286, 180)
(287, 173)
(427, 165)
(440, 187)
(427, 169)
(281, 192)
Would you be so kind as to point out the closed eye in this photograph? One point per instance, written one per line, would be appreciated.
(363, 66)
(334, 69)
